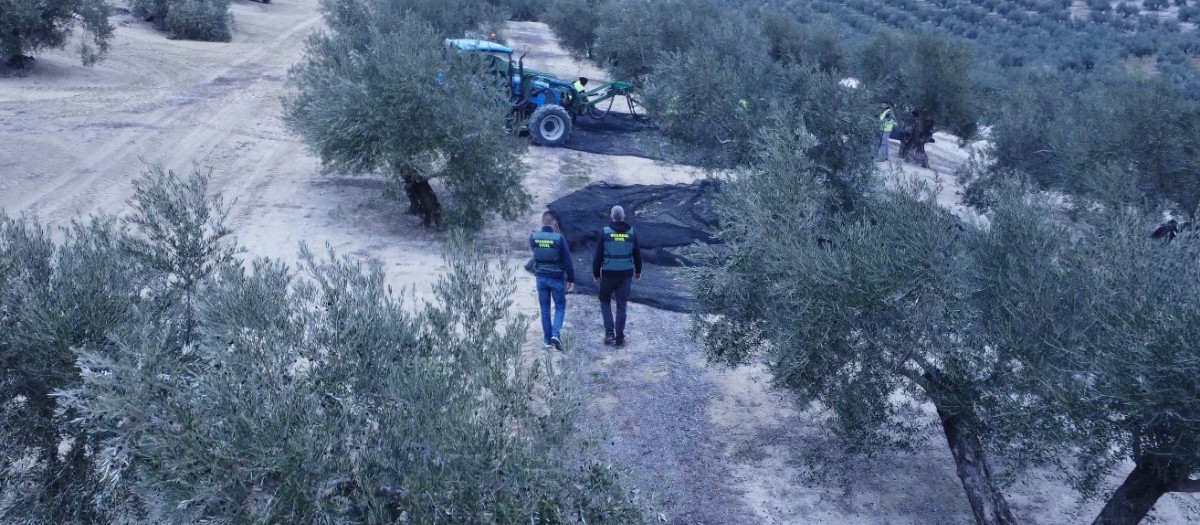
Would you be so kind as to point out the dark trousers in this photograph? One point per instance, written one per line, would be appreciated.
(617, 283)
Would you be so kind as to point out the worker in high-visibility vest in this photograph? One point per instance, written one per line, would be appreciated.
(581, 88)
(886, 123)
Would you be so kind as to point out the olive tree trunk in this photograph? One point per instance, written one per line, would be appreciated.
(1151, 478)
(912, 148)
(424, 202)
(970, 461)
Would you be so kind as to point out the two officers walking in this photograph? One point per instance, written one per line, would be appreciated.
(615, 265)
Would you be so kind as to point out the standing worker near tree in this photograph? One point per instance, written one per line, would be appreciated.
(886, 123)
(555, 274)
(617, 263)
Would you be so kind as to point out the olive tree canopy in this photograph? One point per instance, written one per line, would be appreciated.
(27, 26)
(378, 92)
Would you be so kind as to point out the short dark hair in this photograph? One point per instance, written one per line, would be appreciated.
(583, 80)
(548, 218)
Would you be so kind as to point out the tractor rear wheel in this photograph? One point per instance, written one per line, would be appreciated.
(550, 125)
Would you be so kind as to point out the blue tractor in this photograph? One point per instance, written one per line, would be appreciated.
(543, 104)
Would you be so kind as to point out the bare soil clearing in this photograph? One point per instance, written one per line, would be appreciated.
(713, 445)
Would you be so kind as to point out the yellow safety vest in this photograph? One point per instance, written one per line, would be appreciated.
(579, 87)
(885, 121)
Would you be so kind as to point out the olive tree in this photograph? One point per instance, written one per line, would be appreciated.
(27, 26)
(78, 294)
(928, 80)
(1094, 316)
(717, 97)
(54, 297)
(378, 92)
(320, 397)
(1063, 134)
(635, 35)
(205, 20)
(181, 239)
(712, 96)
(150, 377)
(574, 22)
(793, 41)
(860, 308)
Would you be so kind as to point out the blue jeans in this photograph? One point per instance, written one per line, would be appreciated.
(883, 145)
(557, 289)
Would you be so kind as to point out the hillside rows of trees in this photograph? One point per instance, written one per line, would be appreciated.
(1057, 125)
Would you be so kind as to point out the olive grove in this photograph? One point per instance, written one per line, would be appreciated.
(152, 376)
(205, 20)
(1037, 343)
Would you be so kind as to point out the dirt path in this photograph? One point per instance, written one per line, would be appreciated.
(713, 445)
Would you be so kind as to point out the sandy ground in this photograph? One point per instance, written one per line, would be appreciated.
(710, 444)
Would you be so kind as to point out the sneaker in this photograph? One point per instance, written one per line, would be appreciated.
(547, 346)
(619, 342)
(556, 343)
(609, 339)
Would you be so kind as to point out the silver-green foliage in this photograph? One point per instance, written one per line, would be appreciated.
(181, 239)
(713, 95)
(848, 305)
(379, 92)
(205, 20)
(1063, 135)
(926, 73)
(720, 95)
(574, 22)
(858, 301)
(54, 296)
(279, 395)
(1108, 319)
(1038, 343)
(30, 25)
(319, 397)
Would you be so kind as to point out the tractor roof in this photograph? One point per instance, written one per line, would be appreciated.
(471, 44)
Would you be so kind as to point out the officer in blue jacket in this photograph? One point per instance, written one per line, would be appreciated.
(617, 263)
(555, 273)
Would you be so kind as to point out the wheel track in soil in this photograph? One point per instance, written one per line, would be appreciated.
(189, 121)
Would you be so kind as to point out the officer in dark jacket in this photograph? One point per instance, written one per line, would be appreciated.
(555, 273)
(618, 262)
